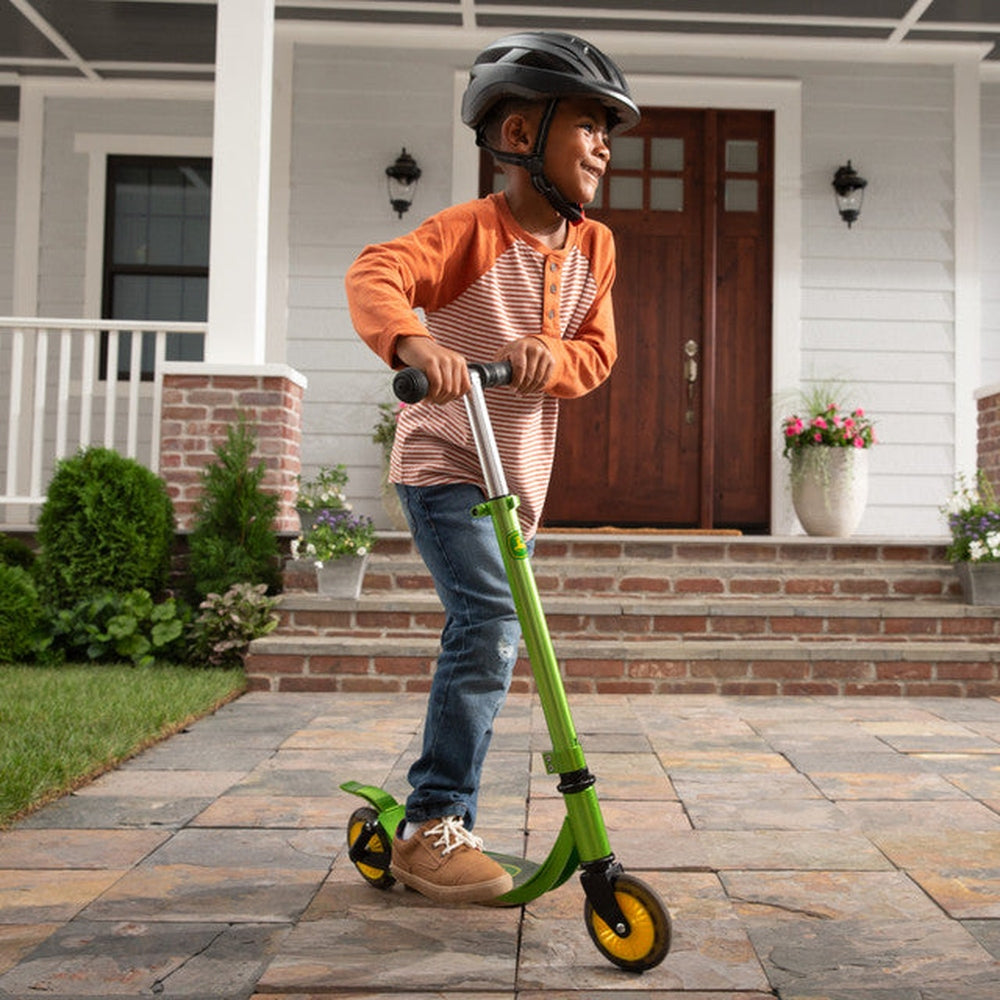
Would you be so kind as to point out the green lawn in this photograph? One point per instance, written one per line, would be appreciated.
(61, 726)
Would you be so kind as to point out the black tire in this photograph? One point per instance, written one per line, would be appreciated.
(648, 939)
(374, 869)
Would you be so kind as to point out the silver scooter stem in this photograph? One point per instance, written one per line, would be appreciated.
(482, 434)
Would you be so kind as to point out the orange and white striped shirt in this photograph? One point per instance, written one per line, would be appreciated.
(482, 281)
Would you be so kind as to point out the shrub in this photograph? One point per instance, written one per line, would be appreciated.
(20, 615)
(14, 552)
(233, 540)
(110, 627)
(229, 622)
(107, 523)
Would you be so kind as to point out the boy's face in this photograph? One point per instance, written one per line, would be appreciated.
(577, 151)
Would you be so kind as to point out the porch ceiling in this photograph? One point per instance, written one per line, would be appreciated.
(175, 39)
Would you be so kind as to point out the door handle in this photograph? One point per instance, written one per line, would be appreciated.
(690, 376)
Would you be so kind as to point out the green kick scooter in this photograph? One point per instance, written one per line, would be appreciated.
(625, 918)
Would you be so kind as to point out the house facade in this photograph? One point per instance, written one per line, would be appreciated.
(732, 252)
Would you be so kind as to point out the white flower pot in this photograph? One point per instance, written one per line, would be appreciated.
(342, 577)
(830, 489)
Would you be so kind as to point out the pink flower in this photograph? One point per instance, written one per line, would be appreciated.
(859, 442)
(817, 437)
(820, 423)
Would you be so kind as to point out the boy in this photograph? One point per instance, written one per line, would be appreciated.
(520, 276)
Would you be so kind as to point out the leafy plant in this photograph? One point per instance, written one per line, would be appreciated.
(826, 423)
(107, 522)
(333, 531)
(109, 627)
(337, 533)
(233, 540)
(20, 615)
(384, 432)
(229, 622)
(325, 492)
(14, 552)
(973, 516)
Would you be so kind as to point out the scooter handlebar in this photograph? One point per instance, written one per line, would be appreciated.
(410, 385)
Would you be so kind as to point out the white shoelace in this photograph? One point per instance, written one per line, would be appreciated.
(451, 833)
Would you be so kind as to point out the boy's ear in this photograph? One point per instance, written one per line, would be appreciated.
(517, 134)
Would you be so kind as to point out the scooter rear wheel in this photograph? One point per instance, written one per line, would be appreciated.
(378, 850)
(648, 939)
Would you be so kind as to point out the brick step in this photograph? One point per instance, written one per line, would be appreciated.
(351, 663)
(419, 615)
(682, 567)
(669, 613)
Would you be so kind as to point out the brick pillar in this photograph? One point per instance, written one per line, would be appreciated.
(988, 404)
(197, 412)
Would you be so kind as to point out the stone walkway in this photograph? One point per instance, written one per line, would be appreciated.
(844, 849)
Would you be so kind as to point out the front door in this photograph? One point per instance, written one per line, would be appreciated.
(680, 434)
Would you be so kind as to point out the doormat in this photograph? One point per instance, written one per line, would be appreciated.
(611, 529)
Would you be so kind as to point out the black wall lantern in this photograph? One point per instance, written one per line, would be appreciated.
(402, 180)
(849, 187)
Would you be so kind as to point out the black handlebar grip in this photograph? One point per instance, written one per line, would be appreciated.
(493, 373)
(410, 385)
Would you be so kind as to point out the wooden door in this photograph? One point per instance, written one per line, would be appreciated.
(680, 434)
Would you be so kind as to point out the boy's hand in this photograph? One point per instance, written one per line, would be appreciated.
(447, 371)
(532, 364)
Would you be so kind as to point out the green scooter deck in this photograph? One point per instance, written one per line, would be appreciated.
(531, 878)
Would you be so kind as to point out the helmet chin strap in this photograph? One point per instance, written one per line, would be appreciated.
(534, 163)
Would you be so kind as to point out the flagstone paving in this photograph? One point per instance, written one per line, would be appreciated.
(807, 849)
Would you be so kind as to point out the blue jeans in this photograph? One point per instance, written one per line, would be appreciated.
(479, 646)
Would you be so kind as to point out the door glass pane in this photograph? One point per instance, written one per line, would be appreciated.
(741, 196)
(625, 192)
(666, 194)
(626, 153)
(667, 154)
(741, 156)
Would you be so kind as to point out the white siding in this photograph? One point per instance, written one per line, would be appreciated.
(65, 178)
(8, 199)
(352, 113)
(990, 233)
(877, 300)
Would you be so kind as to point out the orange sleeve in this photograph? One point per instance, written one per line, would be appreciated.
(423, 269)
(584, 360)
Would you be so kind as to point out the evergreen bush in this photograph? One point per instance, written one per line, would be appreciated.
(233, 540)
(20, 615)
(14, 552)
(107, 523)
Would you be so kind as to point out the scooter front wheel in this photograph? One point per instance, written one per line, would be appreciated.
(369, 848)
(648, 939)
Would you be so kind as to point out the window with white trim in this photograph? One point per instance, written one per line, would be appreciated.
(156, 251)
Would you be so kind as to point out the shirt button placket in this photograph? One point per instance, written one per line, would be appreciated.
(552, 292)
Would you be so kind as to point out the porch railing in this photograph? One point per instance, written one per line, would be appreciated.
(56, 397)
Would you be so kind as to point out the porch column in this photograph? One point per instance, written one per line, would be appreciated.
(201, 400)
(241, 157)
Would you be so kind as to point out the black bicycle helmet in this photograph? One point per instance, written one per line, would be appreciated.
(545, 65)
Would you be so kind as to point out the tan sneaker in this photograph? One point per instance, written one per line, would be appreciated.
(445, 862)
